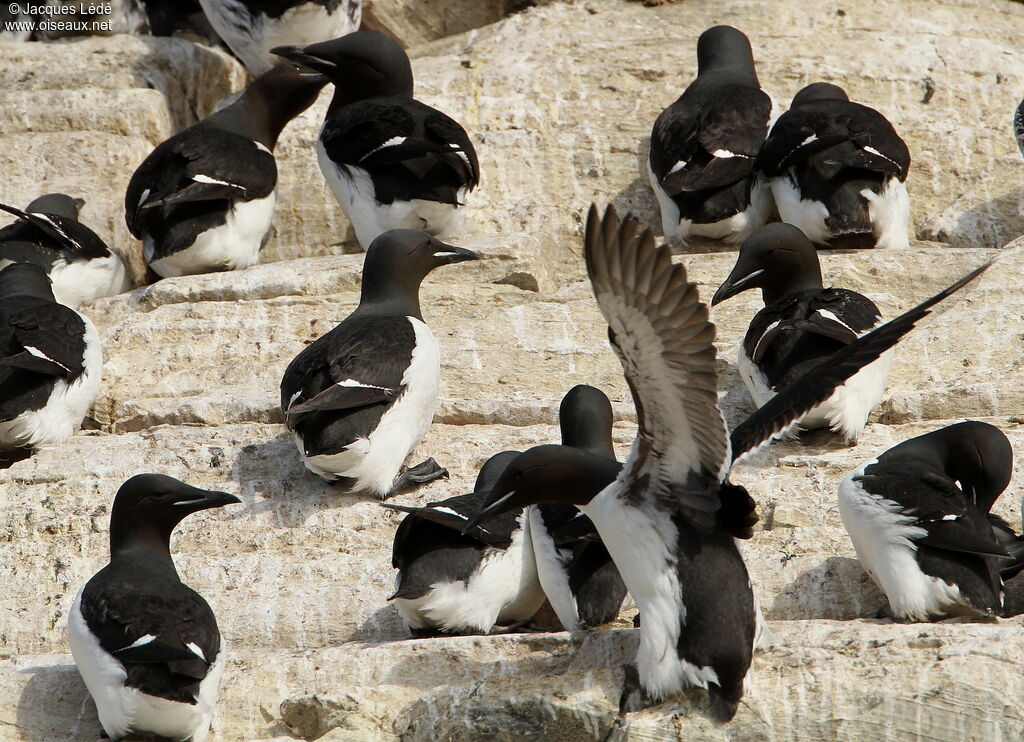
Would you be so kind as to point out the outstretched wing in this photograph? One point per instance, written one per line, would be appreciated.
(817, 385)
(660, 330)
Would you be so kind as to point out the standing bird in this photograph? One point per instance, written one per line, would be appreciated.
(837, 171)
(917, 517)
(204, 199)
(50, 361)
(391, 161)
(251, 28)
(80, 265)
(147, 645)
(801, 325)
(499, 574)
(670, 516)
(704, 146)
(360, 398)
(1018, 126)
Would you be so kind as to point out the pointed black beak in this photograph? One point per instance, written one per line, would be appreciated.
(298, 55)
(734, 285)
(446, 253)
(497, 507)
(195, 499)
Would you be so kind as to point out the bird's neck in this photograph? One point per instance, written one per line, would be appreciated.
(791, 281)
(252, 117)
(148, 547)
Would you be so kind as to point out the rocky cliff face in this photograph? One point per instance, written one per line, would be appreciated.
(559, 100)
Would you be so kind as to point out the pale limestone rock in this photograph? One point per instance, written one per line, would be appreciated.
(416, 21)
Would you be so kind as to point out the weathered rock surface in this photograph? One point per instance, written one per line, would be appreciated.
(559, 99)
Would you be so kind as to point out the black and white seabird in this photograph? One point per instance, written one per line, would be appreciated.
(670, 517)
(147, 646)
(1018, 126)
(204, 199)
(80, 265)
(918, 518)
(499, 574)
(361, 397)
(837, 171)
(50, 361)
(391, 161)
(251, 28)
(704, 146)
(801, 325)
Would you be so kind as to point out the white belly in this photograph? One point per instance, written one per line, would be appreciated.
(304, 24)
(883, 538)
(846, 412)
(233, 245)
(552, 571)
(66, 406)
(503, 589)
(733, 229)
(357, 197)
(84, 280)
(123, 710)
(637, 542)
(375, 461)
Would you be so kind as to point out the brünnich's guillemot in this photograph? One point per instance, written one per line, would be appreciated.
(361, 397)
(704, 146)
(918, 517)
(147, 645)
(837, 171)
(48, 233)
(670, 518)
(203, 200)
(50, 361)
(391, 161)
(801, 325)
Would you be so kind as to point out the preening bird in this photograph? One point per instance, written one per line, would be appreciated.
(837, 171)
(203, 200)
(801, 325)
(391, 161)
(704, 146)
(670, 517)
(147, 645)
(918, 517)
(80, 265)
(361, 397)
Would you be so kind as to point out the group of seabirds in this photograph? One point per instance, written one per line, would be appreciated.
(566, 522)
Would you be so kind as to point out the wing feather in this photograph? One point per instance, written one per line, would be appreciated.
(661, 334)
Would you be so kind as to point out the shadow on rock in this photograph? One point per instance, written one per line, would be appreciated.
(837, 589)
(51, 696)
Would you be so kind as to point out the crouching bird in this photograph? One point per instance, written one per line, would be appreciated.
(361, 397)
(918, 517)
(147, 645)
(670, 517)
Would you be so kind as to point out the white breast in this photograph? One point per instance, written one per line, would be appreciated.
(353, 188)
(122, 709)
(552, 566)
(80, 281)
(233, 245)
(504, 588)
(375, 461)
(883, 537)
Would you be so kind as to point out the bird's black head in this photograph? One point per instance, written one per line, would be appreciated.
(396, 263)
(56, 203)
(270, 101)
(25, 279)
(724, 48)
(492, 469)
(778, 259)
(548, 474)
(818, 91)
(980, 457)
(585, 417)
(148, 506)
(364, 64)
